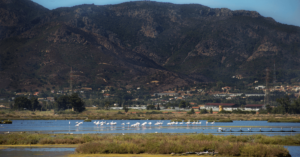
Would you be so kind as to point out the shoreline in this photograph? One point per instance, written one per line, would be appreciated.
(99, 114)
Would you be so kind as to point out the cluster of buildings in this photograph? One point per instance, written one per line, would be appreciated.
(215, 107)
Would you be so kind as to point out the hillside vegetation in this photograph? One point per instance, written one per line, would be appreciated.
(136, 43)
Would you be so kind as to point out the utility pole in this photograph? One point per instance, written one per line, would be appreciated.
(273, 95)
(267, 91)
(71, 82)
(274, 75)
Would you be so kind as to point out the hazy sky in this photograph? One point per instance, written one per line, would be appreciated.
(283, 11)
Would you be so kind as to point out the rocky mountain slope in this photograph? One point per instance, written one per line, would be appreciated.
(157, 45)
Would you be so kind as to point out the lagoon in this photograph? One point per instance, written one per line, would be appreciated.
(63, 126)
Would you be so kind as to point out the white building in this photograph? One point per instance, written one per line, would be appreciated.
(253, 107)
(260, 87)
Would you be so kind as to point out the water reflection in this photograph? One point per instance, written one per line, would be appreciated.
(29, 152)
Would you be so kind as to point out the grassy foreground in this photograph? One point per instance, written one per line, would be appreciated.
(95, 114)
(246, 145)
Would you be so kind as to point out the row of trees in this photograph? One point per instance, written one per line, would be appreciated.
(22, 103)
(62, 103)
(73, 101)
(286, 105)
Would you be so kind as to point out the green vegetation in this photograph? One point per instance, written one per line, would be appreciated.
(64, 102)
(220, 120)
(161, 143)
(175, 146)
(133, 32)
(289, 120)
(191, 112)
(94, 113)
(173, 143)
(285, 106)
(23, 103)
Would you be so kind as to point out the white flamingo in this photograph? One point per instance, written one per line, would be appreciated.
(144, 124)
(187, 123)
(159, 123)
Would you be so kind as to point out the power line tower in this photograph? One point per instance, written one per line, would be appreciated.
(71, 82)
(274, 75)
(273, 95)
(267, 91)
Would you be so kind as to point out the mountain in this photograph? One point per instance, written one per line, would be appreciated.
(150, 44)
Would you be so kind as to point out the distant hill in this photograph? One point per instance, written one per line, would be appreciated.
(150, 44)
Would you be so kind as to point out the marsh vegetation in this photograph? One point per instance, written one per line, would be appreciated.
(161, 143)
(94, 114)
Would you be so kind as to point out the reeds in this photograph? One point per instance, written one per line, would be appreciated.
(246, 145)
(143, 115)
(290, 120)
(167, 144)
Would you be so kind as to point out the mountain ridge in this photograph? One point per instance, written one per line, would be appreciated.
(136, 43)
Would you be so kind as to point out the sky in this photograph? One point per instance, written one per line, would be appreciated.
(283, 11)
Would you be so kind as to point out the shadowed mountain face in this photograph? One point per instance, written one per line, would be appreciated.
(156, 45)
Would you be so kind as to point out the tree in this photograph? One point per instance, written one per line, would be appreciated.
(107, 104)
(62, 103)
(34, 104)
(192, 111)
(210, 111)
(268, 108)
(77, 103)
(295, 106)
(284, 103)
(150, 107)
(203, 111)
(125, 108)
(22, 103)
(158, 108)
(182, 104)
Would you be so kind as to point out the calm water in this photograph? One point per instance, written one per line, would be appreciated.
(29, 152)
(294, 150)
(63, 126)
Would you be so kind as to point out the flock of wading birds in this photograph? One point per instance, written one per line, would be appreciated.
(137, 124)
